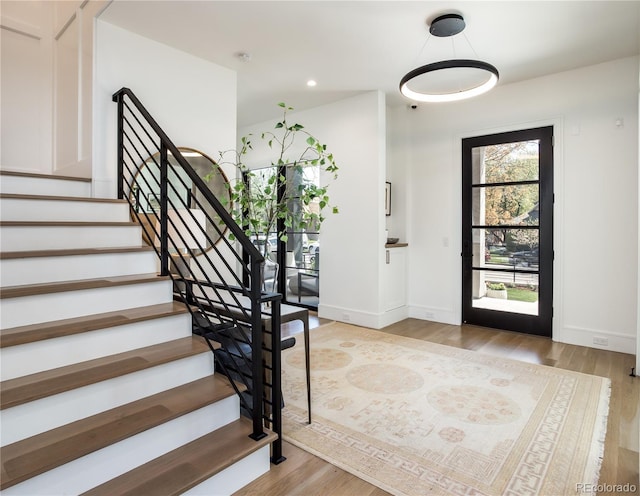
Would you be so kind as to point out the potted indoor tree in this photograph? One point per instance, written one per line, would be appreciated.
(279, 197)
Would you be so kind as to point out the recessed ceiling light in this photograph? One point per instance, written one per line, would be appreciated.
(311, 83)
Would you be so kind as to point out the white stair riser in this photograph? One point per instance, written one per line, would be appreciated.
(35, 309)
(44, 186)
(61, 210)
(41, 415)
(36, 270)
(100, 466)
(21, 360)
(236, 476)
(24, 238)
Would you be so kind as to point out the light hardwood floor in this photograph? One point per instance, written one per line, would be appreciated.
(308, 475)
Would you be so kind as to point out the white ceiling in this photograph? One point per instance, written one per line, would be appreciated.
(354, 46)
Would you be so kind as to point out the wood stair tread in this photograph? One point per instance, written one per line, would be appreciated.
(67, 327)
(8, 255)
(32, 387)
(189, 465)
(35, 455)
(81, 284)
(18, 196)
(64, 223)
(44, 176)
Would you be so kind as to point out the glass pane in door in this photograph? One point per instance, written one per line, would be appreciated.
(512, 205)
(507, 249)
(506, 292)
(506, 162)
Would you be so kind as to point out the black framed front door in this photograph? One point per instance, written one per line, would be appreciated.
(507, 230)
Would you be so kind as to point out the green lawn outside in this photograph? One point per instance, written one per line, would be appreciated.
(519, 294)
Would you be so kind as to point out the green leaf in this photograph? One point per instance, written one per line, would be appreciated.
(335, 210)
(311, 141)
(279, 125)
(282, 104)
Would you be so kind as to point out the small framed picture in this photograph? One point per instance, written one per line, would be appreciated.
(387, 198)
(154, 204)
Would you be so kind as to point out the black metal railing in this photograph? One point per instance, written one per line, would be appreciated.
(217, 276)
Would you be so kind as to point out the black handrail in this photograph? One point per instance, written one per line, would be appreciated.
(221, 285)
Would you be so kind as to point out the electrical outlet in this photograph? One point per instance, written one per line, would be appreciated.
(601, 341)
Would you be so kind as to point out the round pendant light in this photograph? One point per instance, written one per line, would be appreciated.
(448, 80)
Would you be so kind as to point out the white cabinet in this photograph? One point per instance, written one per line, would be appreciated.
(394, 278)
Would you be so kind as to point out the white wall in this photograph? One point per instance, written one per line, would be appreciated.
(353, 240)
(596, 186)
(47, 70)
(193, 100)
(26, 39)
(637, 371)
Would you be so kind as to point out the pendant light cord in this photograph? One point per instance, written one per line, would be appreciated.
(470, 45)
(424, 45)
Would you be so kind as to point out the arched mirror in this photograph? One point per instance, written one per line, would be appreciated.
(146, 188)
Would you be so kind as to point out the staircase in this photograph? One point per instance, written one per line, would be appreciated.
(105, 390)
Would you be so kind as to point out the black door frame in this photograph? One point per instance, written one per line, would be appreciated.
(542, 323)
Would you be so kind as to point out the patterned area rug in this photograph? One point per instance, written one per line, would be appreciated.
(417, 418)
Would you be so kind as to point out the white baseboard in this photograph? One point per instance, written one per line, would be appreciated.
(364, 319)
(349, 316)
(442, 315)
(392, 316)
(594, 338)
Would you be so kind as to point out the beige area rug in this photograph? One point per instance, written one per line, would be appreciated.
(418, 418)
